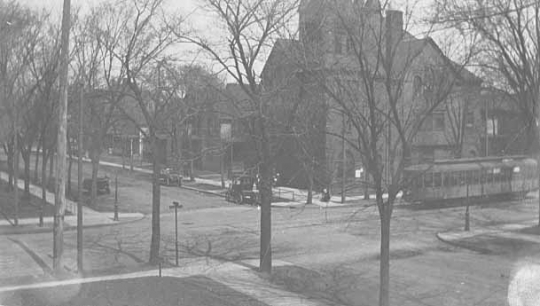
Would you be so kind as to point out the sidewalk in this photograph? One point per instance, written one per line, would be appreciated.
(241, 278)
(494, 239)
(91, 218)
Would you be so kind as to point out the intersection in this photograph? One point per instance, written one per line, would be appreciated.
(322, 254)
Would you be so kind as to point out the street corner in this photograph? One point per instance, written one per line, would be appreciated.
(289, 204)
(28, 228)
(464, 239)
(205, 188)
(108, 219)
(490, 241)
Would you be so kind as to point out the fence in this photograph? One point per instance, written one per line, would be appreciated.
(280, 194)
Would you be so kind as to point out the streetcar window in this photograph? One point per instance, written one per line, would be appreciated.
(417, 182)
(462, 178)
(455, 179)
(470, 177)
(489, 176)
(475, 177)
(507, 174)
(448, 179)
(437, 179)
(516, 169)
(497, 175)
(428, 179)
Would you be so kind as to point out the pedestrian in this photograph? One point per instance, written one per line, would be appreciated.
(325, 195)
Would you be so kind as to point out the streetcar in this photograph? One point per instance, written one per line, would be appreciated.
(469, 178)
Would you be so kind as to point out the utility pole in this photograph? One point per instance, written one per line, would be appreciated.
(16, 162)
(176, 205)
(60, 194)
(467, 216)
(487, 136)
(343, 157)
(79, 185)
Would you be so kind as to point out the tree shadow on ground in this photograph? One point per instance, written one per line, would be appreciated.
(334, 287)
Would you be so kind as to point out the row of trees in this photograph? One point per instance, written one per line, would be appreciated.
(125, 58)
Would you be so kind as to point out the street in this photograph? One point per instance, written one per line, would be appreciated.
(329, 254)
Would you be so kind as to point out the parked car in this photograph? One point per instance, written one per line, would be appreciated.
(102, 185)
(241, 190)
(170, 176)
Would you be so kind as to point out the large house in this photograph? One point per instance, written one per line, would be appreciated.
(466, 123)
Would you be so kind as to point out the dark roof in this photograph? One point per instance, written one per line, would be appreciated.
(408, 49)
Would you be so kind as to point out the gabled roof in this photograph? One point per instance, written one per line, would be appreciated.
(409, 48)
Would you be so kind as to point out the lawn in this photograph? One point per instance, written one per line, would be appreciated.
(147, 291)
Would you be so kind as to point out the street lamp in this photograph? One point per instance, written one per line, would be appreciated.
(176, 205)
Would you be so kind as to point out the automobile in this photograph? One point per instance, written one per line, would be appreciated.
(170, 176)
(102, 184)
(242, 190)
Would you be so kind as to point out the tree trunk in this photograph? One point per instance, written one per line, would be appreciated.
(310, 188)
(222, 167)
(26, 159)
(36, 163)
(366, 188)
(43, 184)
(95, 169)
(384, 289)
(10, 165)
(51, 165)
(156, 193)
(59, 198)
(265, 189)
(16, 177)
(70, 164)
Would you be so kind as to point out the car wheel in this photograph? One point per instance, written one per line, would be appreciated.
(239, 199)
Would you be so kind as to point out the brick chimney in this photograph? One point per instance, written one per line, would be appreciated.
(394, 22)
(394, 29)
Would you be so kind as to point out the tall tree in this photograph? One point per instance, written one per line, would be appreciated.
(20, 29)
(137, 40)
(385, 84)
(508, 39)
(250, 28)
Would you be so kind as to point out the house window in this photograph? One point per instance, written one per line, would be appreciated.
(427, 125)
(312, 31)
(226, 131)
(469, 119)
(417, 86)
(350, 45)
(493, 126)
(434, 123)
(438, 122)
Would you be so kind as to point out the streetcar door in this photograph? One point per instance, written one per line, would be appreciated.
(506, 179)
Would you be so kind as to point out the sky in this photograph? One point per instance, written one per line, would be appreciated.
(199, 19)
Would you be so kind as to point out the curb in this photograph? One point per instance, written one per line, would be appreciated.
(44, 229)
(203, 191)
(463, 245)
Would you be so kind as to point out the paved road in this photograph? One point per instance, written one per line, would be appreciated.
(135, 191)
(333, 252)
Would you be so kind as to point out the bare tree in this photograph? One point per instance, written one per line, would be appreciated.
(508, 38)
(369, 80)
(20, 29)
(250, 28)
(137, 39)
